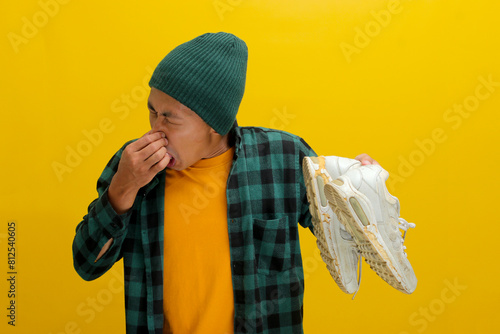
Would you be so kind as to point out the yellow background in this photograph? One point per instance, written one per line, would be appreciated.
(73, 71)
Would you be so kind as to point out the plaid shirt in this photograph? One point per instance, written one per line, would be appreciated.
(266, 198)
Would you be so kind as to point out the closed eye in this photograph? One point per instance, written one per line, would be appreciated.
(168, 115)
(167, 120)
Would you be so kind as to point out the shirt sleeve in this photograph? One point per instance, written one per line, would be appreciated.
(100, 224)
(305, 215)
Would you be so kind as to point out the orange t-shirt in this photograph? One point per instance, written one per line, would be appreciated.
(197, 282)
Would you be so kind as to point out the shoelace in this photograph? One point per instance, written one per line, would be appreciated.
(403, 225)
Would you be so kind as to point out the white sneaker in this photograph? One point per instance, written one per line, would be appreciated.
(363, 204)
(337, 247)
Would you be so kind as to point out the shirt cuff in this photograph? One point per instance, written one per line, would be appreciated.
(113, 224)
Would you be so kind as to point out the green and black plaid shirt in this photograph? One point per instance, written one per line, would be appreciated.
(266, 198)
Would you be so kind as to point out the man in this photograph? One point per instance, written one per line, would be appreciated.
(204, 213)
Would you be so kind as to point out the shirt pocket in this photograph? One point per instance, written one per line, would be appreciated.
(272, 244)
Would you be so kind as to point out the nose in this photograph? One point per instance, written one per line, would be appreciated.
(156, 127)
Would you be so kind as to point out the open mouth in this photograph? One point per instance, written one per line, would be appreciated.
(171, 163)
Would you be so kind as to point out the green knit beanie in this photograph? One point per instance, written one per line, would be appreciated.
(207, 75)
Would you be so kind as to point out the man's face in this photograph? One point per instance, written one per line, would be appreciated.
(190, 139)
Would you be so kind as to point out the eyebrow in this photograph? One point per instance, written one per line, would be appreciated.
(166, 113)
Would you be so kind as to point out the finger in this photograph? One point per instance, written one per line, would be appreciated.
(162, 164)
(162, 134)
(146, 140)
(152, 149)
(365, 159)
(156, 157)
(361, 157)
(144, 153)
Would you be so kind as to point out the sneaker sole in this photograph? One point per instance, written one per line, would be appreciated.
(313, 197)
(355, 211)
